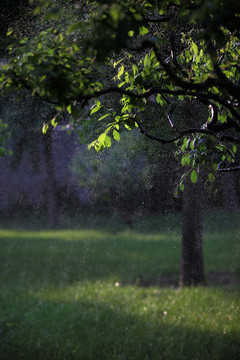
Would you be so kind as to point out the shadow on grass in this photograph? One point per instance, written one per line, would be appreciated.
(41, 317)
(106, 222)
(32, 255)
(99, 330)
(33, 259)
(214, 220)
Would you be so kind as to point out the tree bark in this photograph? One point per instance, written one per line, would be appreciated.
(192, 266)
(52, 205)
(229, 193)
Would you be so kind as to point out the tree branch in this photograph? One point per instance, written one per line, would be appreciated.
(228, 169)
(174, 54)
(160, 140)
(182, 133)
(187, 85)
(170, 119)
(226, 83)
(190, 86)
(163, 18)
(203, 97)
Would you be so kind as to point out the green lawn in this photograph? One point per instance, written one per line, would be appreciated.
(94, 290)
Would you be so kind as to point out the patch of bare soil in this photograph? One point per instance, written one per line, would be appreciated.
(222, 279)
(212, 279)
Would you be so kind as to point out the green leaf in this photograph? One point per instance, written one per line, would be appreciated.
(103, 117)
(92, 145)
(54, 122)
(186, 160)
(117, 62)
(159, 99)
(143, 30)
(214, 166)
(101, 139)
(121, 84)
(116, 135)
(107, 141)
(135, 70)
(193, 177)
(192, 145)
(181, 186)
(69, 109)
(195, 48)
(215, 90)
(120, 72)
(45, 128)
(211, 177)
(9, 32)
(146, 60)
(127, 79)
(183, 147)
(96, 107)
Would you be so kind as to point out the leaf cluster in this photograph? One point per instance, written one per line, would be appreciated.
(72, 69)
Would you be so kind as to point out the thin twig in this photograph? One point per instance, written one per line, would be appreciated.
(170, 119)
(160, 140)
(234, 168)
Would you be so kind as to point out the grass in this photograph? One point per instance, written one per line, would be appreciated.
(94, 290)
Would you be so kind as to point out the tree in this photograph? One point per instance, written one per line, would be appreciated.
(24, 116)
(173, 51)
(119, 179)
(10, 11)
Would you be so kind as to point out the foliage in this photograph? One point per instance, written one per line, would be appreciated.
(10, 13)
(164, 51)
(120, 178)
(24, 116)
(4, 135)
(74, 293)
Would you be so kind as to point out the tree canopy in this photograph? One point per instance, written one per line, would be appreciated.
(142, 52)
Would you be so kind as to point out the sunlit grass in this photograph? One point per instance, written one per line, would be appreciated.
(75, 294)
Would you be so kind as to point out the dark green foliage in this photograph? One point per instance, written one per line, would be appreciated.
(10, 12)
(162, 52)
(25, 116)
(119, 179)
(4, 136)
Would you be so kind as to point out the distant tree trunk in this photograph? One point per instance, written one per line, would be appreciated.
(127, 218)
(192, 266)
(52, 206)
(229, 193)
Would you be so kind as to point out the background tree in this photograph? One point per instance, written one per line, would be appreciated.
(25, 116)
(10, 12)
(119, 180)
(164, 57)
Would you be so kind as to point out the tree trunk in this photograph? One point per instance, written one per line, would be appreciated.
(229, 193)
(192, 267)
(52, 205)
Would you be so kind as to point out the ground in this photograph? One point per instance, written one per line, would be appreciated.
(94, 290)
